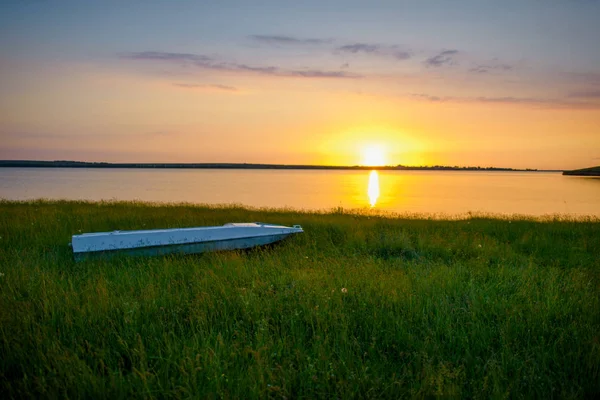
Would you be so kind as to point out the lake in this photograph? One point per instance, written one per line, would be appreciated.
(430, 192)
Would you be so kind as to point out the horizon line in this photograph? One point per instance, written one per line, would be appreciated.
(244, 165)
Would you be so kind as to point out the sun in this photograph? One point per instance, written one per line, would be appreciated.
(373, 156)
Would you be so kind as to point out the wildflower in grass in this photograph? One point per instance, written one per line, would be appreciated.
(479, 246)
(1, 274)
(344, 290)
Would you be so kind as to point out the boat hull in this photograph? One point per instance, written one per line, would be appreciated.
(191, 248)
(179, 241)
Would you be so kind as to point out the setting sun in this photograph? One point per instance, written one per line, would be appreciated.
(373, 156)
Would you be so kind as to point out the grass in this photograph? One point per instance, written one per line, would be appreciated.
(358, 306)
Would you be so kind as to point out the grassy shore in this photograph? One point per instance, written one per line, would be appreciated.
(357, 307)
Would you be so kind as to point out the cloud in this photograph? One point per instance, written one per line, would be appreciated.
(486, 68)
(286, 40)
(517, 100)
(428, 97)
(588, 94)
(77, 136)
(165, 56)
(205, 62)
(441, 59)
(531, 101)
(374, 49)
(276, 71)
(320, 74)
(359, 48)
(206, 86)
(354, 48)
(540, 101)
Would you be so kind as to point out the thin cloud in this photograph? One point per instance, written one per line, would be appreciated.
(286, 40)
(531, 101)
(320, 74)
(359, 48)
(276, 71)
(223, 87)
(374, 49)
(588, 94)
(77, 136)
(517, 100)
(446, 57)
(428, 97)
(206, 86)
(205, 62)
(165, 56)
(540, 101)
(487, 68)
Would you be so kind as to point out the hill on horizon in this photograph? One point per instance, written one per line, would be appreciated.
(591, 171)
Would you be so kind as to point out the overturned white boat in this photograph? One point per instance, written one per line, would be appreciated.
(182, 241)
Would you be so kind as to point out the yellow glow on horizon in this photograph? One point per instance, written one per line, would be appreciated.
(373, 156)
(373, 188)
(372, 145)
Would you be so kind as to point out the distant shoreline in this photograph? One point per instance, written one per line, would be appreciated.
(593, 171)
(83, 164)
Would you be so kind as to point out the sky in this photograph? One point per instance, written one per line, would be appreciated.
(469, 83)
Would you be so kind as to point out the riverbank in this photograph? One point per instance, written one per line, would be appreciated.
(358, 306)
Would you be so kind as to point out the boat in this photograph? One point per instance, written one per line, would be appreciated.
(230, 236)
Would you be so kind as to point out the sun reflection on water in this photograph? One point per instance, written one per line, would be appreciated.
(373, 190)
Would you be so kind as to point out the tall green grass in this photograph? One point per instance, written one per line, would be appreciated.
(358, 306)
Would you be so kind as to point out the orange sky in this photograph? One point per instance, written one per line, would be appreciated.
(296, 99)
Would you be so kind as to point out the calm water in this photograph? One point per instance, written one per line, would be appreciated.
(432, 192)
